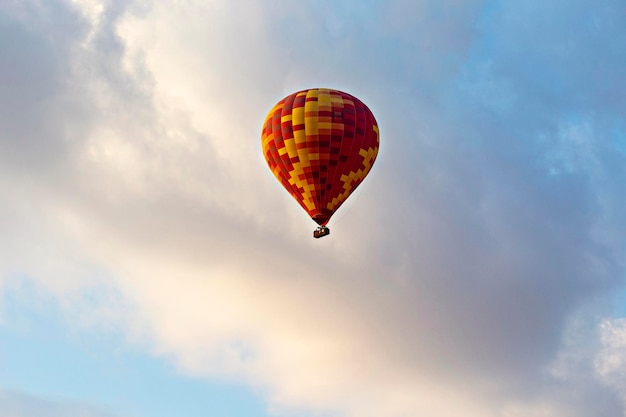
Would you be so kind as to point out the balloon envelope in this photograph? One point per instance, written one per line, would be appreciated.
(320, 144)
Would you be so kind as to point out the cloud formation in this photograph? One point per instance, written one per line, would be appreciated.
(467, 280)
(18, 404)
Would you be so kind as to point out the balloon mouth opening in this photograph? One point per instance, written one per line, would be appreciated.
(321, 219)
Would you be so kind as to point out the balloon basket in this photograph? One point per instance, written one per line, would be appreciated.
(321, 232)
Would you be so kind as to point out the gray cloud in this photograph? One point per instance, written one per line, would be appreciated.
(515, 195)
(19, 404)
(36, 45)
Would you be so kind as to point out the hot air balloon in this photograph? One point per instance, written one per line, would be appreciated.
(320, 144)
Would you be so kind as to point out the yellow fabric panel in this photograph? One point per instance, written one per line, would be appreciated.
(290, 145)
(310, 122)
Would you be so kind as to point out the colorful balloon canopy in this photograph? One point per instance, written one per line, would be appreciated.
(320, 144)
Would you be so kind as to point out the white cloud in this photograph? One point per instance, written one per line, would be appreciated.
(610, 363)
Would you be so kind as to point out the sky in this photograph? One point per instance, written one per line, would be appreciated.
(151, 265)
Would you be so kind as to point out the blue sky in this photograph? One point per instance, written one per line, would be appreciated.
(72, 369)
(150, 264)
